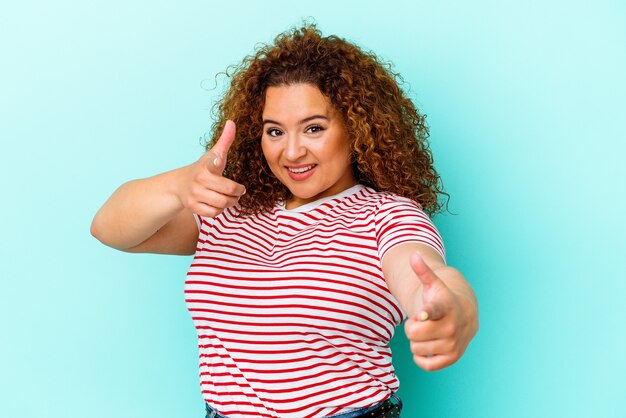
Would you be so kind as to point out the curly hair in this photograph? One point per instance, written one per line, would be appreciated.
(389, 138)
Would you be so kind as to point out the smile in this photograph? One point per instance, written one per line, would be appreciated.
(300, 170)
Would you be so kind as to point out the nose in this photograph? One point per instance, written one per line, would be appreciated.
(294, 148)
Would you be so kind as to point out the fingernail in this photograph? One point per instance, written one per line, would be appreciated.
(217, 159)
(424, 316)
(244, 191)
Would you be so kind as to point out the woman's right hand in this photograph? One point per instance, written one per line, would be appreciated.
(155, 214)
(204, 190)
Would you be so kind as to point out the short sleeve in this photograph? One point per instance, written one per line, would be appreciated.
(198, 219)
(400, 220)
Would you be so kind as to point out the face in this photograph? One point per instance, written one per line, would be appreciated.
(305, 143)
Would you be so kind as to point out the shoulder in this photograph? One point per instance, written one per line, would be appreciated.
(386, 202)
(399, 220)
(384, 205)
(370, 195)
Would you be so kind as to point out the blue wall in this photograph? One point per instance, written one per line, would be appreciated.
(526, 104)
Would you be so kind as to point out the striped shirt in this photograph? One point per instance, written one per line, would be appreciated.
(292, 310)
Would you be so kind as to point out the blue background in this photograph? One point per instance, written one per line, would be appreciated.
(526, 104)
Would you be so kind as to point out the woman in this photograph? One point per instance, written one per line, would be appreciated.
(308, 219)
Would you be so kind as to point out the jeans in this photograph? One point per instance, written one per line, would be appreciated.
(362, 411)
(212, 413)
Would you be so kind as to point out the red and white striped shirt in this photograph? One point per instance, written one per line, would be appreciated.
(291, 307)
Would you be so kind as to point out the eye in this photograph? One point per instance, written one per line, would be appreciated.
(273, 132)
(314, 129)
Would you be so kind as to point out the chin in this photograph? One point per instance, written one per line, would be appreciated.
(304, 193)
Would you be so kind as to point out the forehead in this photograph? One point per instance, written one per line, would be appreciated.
(295, 100)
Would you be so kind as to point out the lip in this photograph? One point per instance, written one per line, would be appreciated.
(301, 176)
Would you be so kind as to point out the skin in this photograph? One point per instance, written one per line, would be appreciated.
(301, 129)
(155, 215)
(440, 305)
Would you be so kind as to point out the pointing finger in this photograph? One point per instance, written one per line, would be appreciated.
(433, 311)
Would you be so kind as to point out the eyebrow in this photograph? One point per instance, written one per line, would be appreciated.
(301, 122)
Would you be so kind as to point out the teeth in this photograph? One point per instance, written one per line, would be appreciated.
(301, 169)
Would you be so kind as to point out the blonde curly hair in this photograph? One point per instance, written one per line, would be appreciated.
(388, 136)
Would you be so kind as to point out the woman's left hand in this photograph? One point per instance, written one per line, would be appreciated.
(445, 321)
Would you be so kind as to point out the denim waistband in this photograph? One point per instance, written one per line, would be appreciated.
(212, 413)
(359, 412)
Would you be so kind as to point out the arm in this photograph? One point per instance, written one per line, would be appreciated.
(440, 304)
(156, 214)
(146, 215)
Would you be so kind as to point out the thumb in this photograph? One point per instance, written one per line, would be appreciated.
(421, 269)
(217, 155)
(432, 307)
